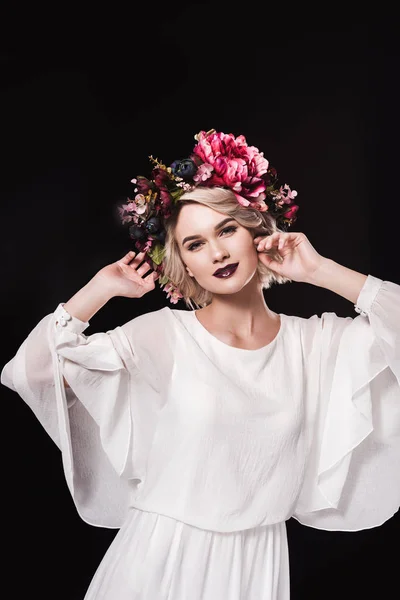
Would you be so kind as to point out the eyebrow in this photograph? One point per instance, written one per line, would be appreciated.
(196, 237)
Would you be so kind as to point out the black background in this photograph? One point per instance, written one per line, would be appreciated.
(85, 99)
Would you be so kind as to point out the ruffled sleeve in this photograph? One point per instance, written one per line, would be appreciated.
(352, 479)
(92, 421)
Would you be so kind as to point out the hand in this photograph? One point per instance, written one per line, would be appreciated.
(125, 277)
(299, 261)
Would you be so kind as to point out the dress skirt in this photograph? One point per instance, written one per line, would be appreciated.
(154, 557)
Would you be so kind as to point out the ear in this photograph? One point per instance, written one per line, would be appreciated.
(189, 271)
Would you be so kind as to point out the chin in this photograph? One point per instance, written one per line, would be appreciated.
(230, 286)
(242, 277)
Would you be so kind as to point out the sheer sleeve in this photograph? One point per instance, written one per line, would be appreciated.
(92, 421)
(353, 476)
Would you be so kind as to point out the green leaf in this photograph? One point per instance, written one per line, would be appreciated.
(157, 253)
(177, 193)
(163, 280)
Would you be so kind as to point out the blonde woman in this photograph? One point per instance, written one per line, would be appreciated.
(199, 432)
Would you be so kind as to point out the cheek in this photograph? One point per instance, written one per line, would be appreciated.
(196, 264)
(247, 248)
(245, 241)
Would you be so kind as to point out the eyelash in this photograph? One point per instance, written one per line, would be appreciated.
(231, 227)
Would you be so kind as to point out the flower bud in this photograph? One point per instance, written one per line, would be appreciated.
(137, 233)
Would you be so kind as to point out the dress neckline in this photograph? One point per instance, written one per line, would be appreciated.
(217, 341)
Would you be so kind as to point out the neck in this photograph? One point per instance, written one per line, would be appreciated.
(241, 313)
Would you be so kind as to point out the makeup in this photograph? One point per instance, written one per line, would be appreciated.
(227, 272)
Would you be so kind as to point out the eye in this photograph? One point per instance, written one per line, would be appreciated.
(228, 229)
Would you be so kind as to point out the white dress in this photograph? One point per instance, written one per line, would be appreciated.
(199, 452)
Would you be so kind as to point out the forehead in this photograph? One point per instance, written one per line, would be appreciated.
(195, 218)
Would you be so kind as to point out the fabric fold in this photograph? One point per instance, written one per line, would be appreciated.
(165, 419)
(353, 479)
(91, 421)
(105, 394)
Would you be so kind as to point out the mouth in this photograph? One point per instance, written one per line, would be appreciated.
(227, 271)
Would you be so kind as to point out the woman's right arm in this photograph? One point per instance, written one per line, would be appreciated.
(122, 278)
(90, 422)
(87, 302)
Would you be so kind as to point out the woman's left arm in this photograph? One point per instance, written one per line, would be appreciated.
(339, 279)
(292, 255)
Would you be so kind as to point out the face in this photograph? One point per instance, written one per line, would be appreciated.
(215, 241)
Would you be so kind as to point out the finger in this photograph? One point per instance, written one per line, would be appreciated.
(139, 262)
(276, 239)
(138, 258)
(265, 243)
(260, 238)
(125, 268)
(261, 245)
(268, 241)
(285, 239)
(128, 270)
(143, 269)
(125, 260)
(132, 259)
(261, 242)
(151, 277)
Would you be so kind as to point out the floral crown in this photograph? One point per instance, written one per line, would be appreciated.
(218, 159)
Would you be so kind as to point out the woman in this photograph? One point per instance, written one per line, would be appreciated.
(199, 433)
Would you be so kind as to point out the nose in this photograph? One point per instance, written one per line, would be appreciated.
(218, 253)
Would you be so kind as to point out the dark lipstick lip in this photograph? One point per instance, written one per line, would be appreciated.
(219, 271)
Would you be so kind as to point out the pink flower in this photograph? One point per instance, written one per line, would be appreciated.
(127, 218)
(242, 200)
(236, 165)
(291, 213)
(127, 208)
(287, 194)
(140, 204)
(173, 294)
(143, 185)
(203, 172)
(161, 177)
(258, 204)
(147, 245)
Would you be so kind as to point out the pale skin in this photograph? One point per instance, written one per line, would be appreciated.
(238, 314)
(128, 277)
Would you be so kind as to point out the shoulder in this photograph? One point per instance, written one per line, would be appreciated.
(149, 321)
(154, 326)
(316, 320)
(150, 340)
(315, 329)
(139, 340)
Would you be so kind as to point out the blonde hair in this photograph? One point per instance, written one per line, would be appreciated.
(224, 201)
